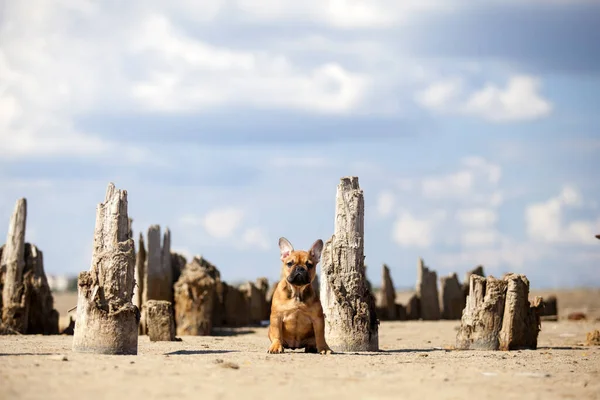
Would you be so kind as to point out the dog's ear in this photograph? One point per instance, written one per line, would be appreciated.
(315, 251)
(285, 247)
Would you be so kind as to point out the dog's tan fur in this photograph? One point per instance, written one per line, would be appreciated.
(297, 319)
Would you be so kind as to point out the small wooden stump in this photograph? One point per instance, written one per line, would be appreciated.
(159, 320)
(498, 315)
(158, 283)
(351, 322)
(107, 321)
(451, 293)
(194, 300)
(428, 292)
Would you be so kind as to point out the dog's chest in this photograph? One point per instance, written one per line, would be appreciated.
(297, 322)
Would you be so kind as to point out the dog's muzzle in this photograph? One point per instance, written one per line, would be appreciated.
(299, 276)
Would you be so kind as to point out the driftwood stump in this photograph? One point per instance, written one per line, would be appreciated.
(413, 308)
(351, 322)
(499, 316)
(15, 299)
(159, 320)
(195, 294)
(428, 292)
(451, 294)
(42, 317)
(107, 321)
(387, 309)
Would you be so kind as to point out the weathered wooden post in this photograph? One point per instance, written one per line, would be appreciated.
(451, 294)
(15, 300)
(195, 294)
(42, 317)
(351, 322)
(428, 292)
(498, 315)
(387, 297)
(160, 321)
(154, 277)
(107, 321)
(140, 278)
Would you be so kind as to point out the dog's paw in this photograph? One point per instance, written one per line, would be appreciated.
(275, 348)
(325, 351)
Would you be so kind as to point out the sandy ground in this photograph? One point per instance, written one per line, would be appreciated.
(413, 364)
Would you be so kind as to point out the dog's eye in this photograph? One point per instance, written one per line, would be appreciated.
(290, 263)
(309, 265)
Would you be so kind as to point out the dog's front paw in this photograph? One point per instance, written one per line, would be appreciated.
(325, 350)
(275, 347)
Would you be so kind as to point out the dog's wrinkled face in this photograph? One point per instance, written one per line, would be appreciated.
(299, 266)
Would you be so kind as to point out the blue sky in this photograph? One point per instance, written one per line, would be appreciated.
(473, 129)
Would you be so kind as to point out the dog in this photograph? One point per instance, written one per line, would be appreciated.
(297, 319)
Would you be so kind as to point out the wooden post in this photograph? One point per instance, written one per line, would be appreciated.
(351, 322)
(15, 300)
(155, 278)
(42, 317)
(413, 308)
(451, 294)
(387, 297)
(428, 292)
(263, 286)
(167, 269)
(195, 295)
(159, 320)
(498, 315)
(140, 277)
(107, 321)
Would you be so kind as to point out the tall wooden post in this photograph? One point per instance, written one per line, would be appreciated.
(107, 321)
(351, 322)
(15, 301)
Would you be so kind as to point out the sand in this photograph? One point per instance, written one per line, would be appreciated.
(414, 364)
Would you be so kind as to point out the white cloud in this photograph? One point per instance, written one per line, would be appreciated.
(440, 95)
(300, 162)
(545, 220)
(520, 100)
(506, 255)
(222, 223)
(410, 231)
(341, 14)
(256, 238)
(385, 203)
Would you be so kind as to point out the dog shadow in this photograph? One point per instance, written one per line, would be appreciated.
(28, 354)
(198, 352)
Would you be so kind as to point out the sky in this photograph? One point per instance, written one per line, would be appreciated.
(473, 128)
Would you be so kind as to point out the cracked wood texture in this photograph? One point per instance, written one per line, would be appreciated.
(498, 315)
(107, 321)
(350, 317)
(15, 300)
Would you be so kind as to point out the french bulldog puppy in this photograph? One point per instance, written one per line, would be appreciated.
(297, 319)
